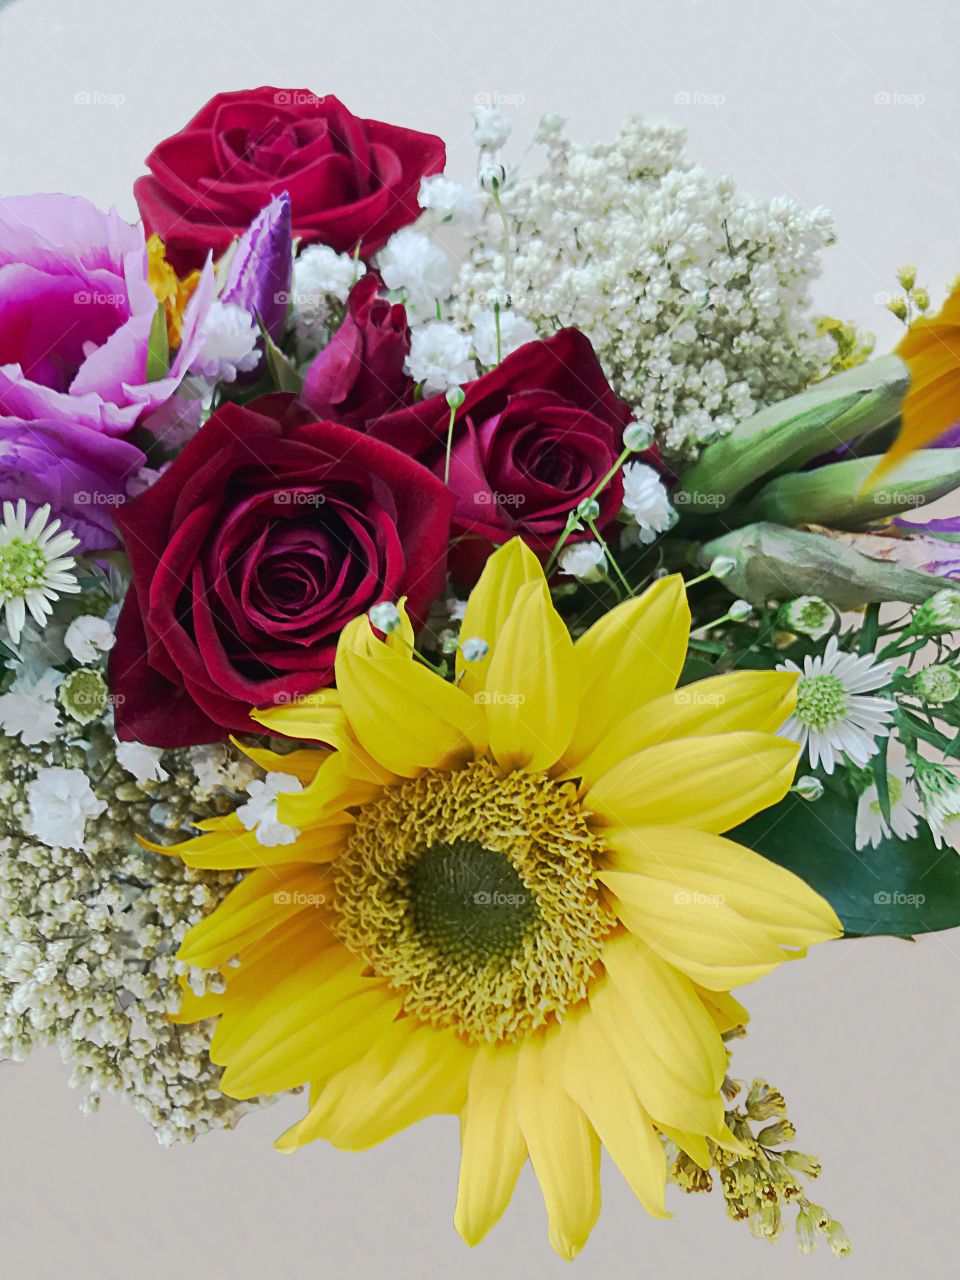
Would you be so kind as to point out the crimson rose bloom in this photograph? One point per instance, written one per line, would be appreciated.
(359, 374)
(250, 553)
(349, 180)
(533, 438)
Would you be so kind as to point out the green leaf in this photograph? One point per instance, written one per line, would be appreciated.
(901, 888)
(158, 346)
(882, 783)
(282, 369)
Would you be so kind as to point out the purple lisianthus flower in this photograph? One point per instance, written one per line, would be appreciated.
(76, 311)
(260, 266)
(934, 546)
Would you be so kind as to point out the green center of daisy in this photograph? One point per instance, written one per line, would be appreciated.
(474, 895)
(469, 902)
(821, 701)
(22, 567)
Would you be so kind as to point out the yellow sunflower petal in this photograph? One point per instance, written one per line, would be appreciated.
(670, 1096)
(323, 803)
(632, 655)
(492, 1147)
(302, 764)
(692, 1144)
(410, 1071)
(595, 1079)
(314, 1022)
(506, 571)
(711, 783)
(406, 717)
(564, 1151)
(531, 687)
(259, 902)
(743, 700)
(237, 849)
(721, 913)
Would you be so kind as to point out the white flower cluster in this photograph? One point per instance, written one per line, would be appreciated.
(695, 297)
(90, 923)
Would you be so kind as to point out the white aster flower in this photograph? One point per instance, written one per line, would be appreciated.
(808, 616)
(904, 807)
(491, 128)
(87, 637)
(645, 500)
(61, 800)
(229, 344)
(142, 761)
(259, 814)
(34, 566)
(515, 332)
(585, 561)
(451, 199)
(319, 274)
(29, 708)
(833, 715)
(412, 263)
(439, 357)
(939, 789)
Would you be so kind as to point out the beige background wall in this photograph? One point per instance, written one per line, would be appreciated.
(849, 104)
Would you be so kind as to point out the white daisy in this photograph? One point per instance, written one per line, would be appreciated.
(833, 717)
(904, 807)
(34, 566)
(939, 789)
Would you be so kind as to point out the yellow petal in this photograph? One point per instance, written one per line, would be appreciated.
(260, 902)
(489, 605)
(721, 913)
(406, 717)
(632, 655)
(531, 694)
(564, 1151)
(302, 764)
(756, 700)
(726, 1012)
(323, 803)
(671, 1097)
(312, 1023)
(597, 1082)
(320, 717)
(237, 849)
(711, 783)
(410, 1071)
(492, 1147)
(692, 1144)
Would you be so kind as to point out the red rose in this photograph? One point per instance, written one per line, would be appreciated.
(350, 181)
(250, 553)
(360, 374)
(533, 438)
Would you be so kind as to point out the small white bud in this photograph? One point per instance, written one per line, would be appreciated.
(638, 436)
(474, 649)
(740, 609)
(722, 566)
(385, 617)
(809, 788)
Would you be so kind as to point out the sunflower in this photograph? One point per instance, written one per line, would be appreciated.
(509, 898)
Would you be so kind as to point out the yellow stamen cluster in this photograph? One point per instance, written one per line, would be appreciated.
(168, 288)
(473, 894)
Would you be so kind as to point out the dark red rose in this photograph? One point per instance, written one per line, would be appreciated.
(533, 438)
(360, 375)
(250, 554)
(351, 181)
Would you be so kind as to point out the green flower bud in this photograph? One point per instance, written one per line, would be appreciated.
(638, 436)
(385, 617)
(739, 610)
(455, 397)
(808, 616)
(939, 614)
(588, 509)
(722, 566)
(907, 276)
(84, 695)
(937, 685)
(809, 788)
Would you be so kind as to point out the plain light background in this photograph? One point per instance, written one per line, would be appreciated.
(851, 104)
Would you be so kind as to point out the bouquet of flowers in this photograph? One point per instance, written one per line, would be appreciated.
(453, 636)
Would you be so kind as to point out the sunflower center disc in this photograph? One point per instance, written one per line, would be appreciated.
(473, 893)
